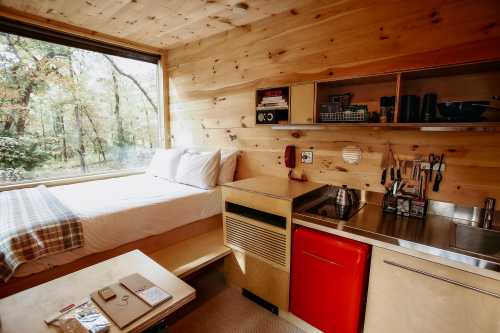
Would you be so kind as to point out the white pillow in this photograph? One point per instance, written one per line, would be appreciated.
(228, 160)
(199, 169)
(165, 162)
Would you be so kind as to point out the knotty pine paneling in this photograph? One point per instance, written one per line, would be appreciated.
(157, 23)
(213, 82)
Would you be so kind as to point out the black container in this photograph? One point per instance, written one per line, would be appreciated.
(429, 105)
(409, 112)
(467, 111)
(391, 100)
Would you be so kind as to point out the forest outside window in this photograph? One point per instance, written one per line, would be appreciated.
(68, 111)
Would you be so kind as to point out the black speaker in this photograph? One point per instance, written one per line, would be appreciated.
(266, 117)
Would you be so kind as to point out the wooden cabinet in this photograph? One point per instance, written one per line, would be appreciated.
(302, 103)
(257, 228)
(408, 294)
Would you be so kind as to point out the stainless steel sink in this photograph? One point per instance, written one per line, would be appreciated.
(466, 238)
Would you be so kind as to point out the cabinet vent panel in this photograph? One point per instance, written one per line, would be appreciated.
(262, 242)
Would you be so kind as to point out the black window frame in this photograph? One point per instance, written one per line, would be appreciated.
(67, 39)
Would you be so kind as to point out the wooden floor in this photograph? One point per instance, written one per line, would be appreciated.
(192, 254)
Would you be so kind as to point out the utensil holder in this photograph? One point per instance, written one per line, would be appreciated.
(405, 206)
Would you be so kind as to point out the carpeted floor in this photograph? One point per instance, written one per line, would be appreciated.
(220, 308)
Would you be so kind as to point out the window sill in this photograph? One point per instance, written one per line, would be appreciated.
(72, 180)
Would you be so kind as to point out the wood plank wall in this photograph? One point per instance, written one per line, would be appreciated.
(213, 82)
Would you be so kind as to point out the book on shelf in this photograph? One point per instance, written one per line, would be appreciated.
(275, 104)
(269, 108)
(273, 93)
(273, 98)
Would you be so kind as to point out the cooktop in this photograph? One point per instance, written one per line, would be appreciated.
(330, 209)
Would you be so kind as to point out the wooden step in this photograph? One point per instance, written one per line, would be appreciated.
(188, 256)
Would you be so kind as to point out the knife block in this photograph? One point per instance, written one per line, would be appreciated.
(405, 206)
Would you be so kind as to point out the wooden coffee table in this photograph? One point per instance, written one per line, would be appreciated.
(25, 311)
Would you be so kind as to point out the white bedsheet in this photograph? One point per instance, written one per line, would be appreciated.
(121, 210)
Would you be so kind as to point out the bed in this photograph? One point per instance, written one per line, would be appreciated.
(118, 211)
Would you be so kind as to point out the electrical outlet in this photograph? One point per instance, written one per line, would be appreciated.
(307, 157)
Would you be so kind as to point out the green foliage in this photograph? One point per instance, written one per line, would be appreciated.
(24, 152)
(60, 110)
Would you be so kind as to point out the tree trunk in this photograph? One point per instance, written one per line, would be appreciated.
(134, 80)
(9, 122)
(120, 139)
(81, 146)
(60, 131)
(23, 112)
(98, 139)
(42, 123)
(25, 94)
(78, 121)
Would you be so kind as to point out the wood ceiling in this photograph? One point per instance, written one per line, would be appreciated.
(158, 23)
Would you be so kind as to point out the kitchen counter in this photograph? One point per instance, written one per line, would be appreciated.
(434, 238)
(276, 187)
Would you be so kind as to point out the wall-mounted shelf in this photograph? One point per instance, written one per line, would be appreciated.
(463, 82)
(272, 105)
(424, 127)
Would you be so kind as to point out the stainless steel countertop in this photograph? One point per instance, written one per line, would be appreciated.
(435, 235)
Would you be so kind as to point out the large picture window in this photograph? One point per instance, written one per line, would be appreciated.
(69, 111)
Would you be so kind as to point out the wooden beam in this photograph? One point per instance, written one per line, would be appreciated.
(75, 31)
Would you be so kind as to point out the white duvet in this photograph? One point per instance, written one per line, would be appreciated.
(121, 210)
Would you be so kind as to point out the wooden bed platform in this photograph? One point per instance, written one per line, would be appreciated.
(200, 242)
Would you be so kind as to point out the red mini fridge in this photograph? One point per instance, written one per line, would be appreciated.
(328, 280)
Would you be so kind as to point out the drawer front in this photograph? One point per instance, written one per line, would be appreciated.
(415, 295)
(258, 201)
(257, 276)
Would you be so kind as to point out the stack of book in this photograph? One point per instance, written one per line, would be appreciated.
(273, 103)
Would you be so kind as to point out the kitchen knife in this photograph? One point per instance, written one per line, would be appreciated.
(384, 176)
(398, 169)
(439, 176)
(391, 156)
(384, 164)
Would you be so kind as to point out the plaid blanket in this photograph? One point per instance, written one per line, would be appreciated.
(33, 224)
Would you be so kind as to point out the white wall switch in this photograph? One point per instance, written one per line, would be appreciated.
(307, 157)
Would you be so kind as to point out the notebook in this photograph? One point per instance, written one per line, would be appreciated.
(123, 309)
(145, 289)
(135, 297)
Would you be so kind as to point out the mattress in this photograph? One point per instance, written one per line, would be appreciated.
(121, 210)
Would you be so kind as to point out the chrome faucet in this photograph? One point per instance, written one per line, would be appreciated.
(487, 218)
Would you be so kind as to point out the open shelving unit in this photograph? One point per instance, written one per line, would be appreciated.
(465, 82)
(279, 114)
